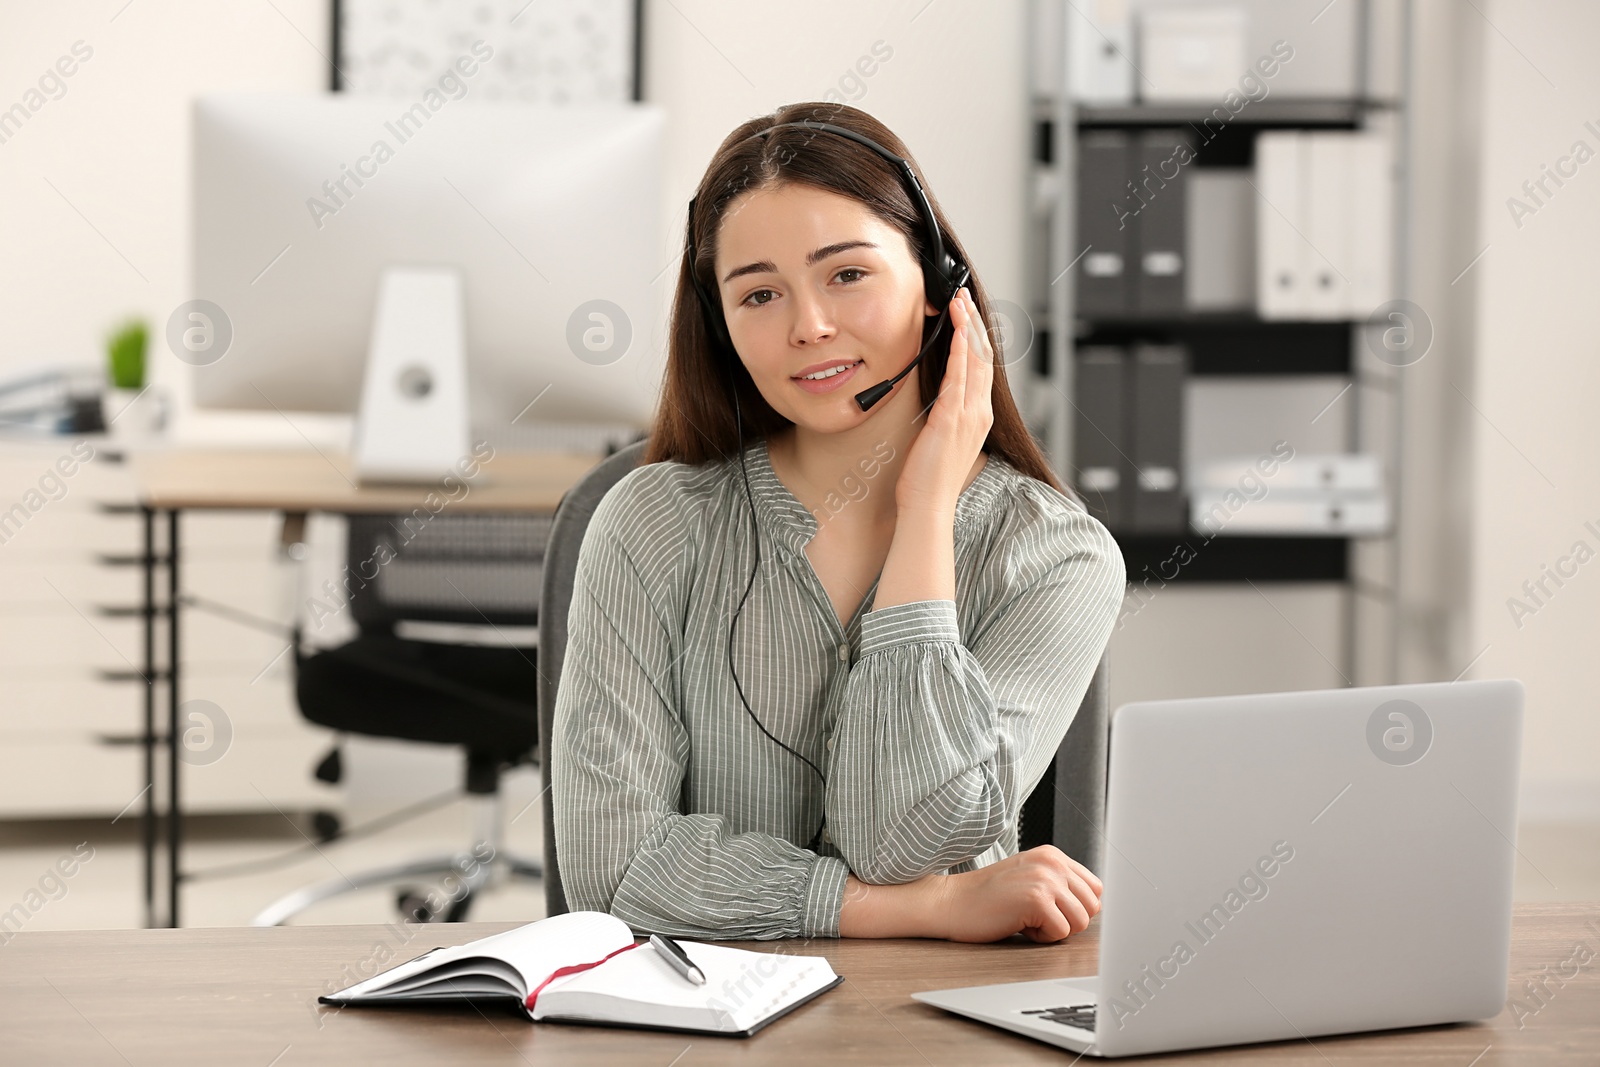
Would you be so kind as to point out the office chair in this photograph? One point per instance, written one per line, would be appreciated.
(473, 569)
(1066, 808)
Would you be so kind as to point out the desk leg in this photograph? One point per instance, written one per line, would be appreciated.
(174, 737)
(148, 819)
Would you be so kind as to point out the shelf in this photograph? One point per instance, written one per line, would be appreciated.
(1233, 559)
(1236, 344)
(1215, 319)
(1324, 114)
(1225, 348)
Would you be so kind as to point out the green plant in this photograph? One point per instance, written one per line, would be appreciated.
(125, 355)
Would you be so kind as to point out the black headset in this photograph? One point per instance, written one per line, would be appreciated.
(943, 275)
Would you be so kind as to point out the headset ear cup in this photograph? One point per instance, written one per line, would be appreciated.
(953, 276)
(940, 284)
(959, 276)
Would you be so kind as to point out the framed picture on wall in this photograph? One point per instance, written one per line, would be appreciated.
(544, 51)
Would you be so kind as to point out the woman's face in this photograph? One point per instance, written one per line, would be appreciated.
(810, 279)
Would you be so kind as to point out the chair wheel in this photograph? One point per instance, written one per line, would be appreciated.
(413, 905)
(326, 825)
(458, 910)
(414, 908)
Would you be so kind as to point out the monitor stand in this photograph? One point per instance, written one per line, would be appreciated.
(412, 425)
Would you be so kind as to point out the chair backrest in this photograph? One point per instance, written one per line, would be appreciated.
(445, 568)
(560, 567)
(1066, 808)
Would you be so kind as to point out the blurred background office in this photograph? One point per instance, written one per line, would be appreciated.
(1295, 292)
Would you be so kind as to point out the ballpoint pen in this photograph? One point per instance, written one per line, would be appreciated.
(673, 953)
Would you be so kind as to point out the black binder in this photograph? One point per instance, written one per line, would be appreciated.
(1164, 160)
(1155, 403)
(1099, 439)
(1106, 219)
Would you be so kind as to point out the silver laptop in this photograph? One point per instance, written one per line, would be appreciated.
(1283, 865)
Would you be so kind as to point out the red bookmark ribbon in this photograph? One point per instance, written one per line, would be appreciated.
(574, 968)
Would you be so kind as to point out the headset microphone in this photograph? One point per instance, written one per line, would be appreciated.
(872, 394)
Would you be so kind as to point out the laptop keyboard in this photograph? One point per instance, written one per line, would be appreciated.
(1076, 1015)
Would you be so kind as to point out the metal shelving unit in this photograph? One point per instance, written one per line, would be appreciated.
(1239, 343)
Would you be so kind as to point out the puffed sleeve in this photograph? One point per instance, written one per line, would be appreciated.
(619, 749)
(943, 734)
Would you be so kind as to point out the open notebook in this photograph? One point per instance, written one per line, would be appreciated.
(585, 967)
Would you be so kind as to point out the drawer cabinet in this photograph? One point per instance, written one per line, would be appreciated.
(72, 646)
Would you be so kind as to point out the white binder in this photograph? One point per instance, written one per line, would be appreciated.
(1325, 175)
(1100, 67)
(1293, 512)
(1330, 471)
(1280, 281)
(1324, 224)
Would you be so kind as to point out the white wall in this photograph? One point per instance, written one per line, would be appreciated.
(1536, 392)
(96, 183)
(954, 90)
(115, 144)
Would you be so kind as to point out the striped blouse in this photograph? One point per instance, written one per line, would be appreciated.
(931, 720)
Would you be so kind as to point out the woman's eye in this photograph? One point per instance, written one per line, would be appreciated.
(751, 301)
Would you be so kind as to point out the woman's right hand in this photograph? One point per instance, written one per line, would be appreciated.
(1042, 893)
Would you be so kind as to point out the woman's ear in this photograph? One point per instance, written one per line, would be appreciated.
(928, 310)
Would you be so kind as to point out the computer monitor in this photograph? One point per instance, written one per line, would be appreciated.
(548, 214)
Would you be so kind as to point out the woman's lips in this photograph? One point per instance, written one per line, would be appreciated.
(828, 385)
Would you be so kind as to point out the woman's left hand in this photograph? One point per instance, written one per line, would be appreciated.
(944, 451)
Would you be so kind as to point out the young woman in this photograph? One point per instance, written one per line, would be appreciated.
(818, 655)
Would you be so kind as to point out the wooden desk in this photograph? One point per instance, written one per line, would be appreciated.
(294, 481)
(297, 481)
(248, 996)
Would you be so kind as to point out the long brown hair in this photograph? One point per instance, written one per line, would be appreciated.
(694, 421)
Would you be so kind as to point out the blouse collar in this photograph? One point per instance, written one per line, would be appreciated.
(783, 516)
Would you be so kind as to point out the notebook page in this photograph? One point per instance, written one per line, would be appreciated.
(531, 951)
(380, 983)
(576, 937)
(742, 988)
(486, 975)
